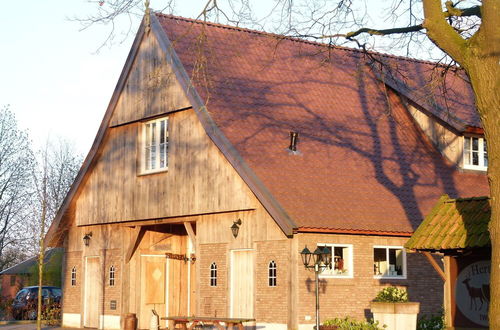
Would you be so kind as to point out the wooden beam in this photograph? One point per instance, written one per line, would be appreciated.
(151, 222)
(191, 234)
(176, 220)
(435, 265)
(135, 240)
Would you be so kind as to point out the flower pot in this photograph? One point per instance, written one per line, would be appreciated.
(328, 327)
(396, 316)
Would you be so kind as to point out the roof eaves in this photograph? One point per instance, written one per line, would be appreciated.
(351, 231)
(276, 211)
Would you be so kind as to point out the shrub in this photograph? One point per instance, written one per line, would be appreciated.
(6, 308)
(433, 322)
(52, 315)
(392, 294)
(351, 324)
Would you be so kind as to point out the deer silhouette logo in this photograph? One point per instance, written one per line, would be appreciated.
(482, 293)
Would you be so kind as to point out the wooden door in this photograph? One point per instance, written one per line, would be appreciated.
(242, 283)
(153, 288)
(92, 289)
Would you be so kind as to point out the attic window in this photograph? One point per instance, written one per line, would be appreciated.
(475, 153)
(154, 151)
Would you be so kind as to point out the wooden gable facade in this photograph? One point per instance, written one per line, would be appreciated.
(136, 240)
(151, 229)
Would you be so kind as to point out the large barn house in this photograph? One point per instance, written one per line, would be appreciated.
(225, 151)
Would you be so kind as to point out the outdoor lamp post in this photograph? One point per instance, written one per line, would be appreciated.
(321, 259)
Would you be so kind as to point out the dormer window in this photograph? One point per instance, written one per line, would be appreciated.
(154, 151)
(475, 154)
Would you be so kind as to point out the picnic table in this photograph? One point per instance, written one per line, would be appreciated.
(193, 321)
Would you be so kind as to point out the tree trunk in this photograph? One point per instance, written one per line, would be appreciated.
(484, 72)
(42, 251)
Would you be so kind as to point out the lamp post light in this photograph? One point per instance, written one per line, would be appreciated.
(321, 259)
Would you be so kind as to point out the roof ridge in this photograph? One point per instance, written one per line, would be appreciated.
(295, 39)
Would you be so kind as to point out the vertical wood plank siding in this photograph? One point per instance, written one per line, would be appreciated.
(199, 179)
(151, 87)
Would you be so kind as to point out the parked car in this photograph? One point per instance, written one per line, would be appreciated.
(26, 301)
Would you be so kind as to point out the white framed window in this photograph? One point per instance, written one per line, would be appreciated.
(154, 146)
(272, 274)
(213, 274)
(112, 272)
(73, 276)
(342, 264)
(475, 153)
(389, 262)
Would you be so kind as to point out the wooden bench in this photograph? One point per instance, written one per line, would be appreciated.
(229, 323)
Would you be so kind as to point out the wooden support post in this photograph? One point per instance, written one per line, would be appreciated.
(448, 318)
(191, 234)
(137, 234)
(434, 264)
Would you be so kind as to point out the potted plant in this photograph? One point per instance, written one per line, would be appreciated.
(392, 308)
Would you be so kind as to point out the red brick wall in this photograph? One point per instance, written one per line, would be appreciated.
(213, 300)
(341, 297)
(72, 294)
(112, 258)
(9, 291)
(272, 303)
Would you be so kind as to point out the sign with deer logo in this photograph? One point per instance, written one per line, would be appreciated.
(473, 292)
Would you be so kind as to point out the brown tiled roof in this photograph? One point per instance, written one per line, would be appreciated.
(362, 165)
(454, 224)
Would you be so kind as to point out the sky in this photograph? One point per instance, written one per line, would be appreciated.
(55, 77)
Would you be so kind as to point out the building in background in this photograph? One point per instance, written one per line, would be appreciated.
(26, 273)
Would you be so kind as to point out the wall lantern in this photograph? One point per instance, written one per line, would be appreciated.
(235, 228)
(321, 259)
(86, 238)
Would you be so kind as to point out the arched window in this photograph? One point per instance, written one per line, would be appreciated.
(213, 274)
(112, 276)
(272, 273)
(73, 276)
